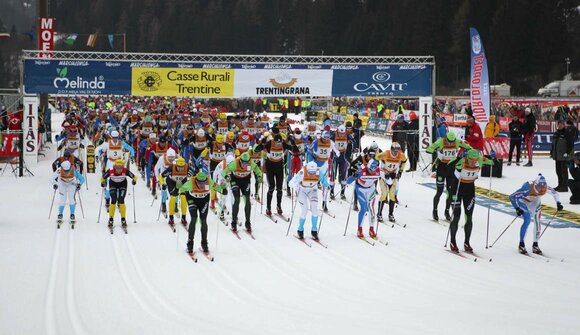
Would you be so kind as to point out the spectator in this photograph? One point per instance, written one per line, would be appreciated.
(440, 127)
(399, 129)
(474, 136)
(574, 183)
(562, 147)
(413, 141)
(528, 129)
(357, 131)
(572, 130)
(491, 128)
(515, 140)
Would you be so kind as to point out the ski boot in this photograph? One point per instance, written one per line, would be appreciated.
(467, 247)
(249, 226)
(342, 196)
(301, 234)
(435, 215)
(72, 221)
(171, 222)
(522, 248)
(359, 233)
(324, 207)
(279, 210)
(332, 195)
(288, 192)
(536, 249)
(355, 207)
(204, 247)
(222, 216)
(372, 233)
(59, 220)
(380, 218)
(314, 234)
(391, 218)
(190, 246)
(123, 223)
(149, 184)
(234, 226)
(453, 246)
(268, 212)
(447, 216)
(111, 222)
(183, 221)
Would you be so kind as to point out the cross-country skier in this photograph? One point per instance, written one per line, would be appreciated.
(164, 162)
(360, 162)
(239, 172)
(305, 183)
(393, 164)
(467, 171)
(196, 191)
(67, 180)
(321, 149)
(366, 191)
(174, 176)
(344, 143)
(447, 149)
(117, 181)
(527, 201)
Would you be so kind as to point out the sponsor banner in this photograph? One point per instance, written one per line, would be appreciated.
(46, 36)
(382, 80)
(504, 123)
(460, 120)
(377, 125)
(9, 147)
(90, 158)
(76, 77)
(500, 202)
(501, 146)
(30, 130)
(182, 82)
(479, 81)
(542, 141)
(276, 83)
(425, 115)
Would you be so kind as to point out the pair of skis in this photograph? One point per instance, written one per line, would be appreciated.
(317, 241)
(372, 243)
(124, 227)
(207, 255)
(469, 255)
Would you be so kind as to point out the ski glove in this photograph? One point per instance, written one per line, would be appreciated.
(519, 211)
(55, 186)
(398, 176)
(164, 187)
(559, 206)
(134, 181)
(78, 187)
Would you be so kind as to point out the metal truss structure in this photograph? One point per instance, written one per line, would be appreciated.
(228, 59)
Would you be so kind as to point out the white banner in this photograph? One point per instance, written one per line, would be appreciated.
(282, 83)
(425, 130)
(30, 130)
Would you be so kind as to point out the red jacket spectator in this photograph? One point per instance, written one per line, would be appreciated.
(475, 136)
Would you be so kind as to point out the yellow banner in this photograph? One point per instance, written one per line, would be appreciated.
(182, 82)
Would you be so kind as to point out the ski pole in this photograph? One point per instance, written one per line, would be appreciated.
(51, 204)
(134, 216)
(548, 225)
(292, 217)
(488, 210)
(454, 203)
(101, 204)
(506, 228)
(321, 216)
(349, 210)
(81, 203)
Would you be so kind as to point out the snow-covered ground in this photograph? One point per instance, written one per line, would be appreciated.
(86, 281)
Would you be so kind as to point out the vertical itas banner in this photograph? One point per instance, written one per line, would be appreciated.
(479, 83)
(30, 130)
(425, 129)
(46, 36)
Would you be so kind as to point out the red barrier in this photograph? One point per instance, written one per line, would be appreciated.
(500, 145)
(9, 147)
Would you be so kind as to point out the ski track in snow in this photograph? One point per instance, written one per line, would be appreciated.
(276, 285)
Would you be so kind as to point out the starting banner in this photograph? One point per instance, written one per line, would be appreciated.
(80, 77)
(501, 146)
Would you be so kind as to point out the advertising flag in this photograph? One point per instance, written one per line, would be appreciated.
(479, 80)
